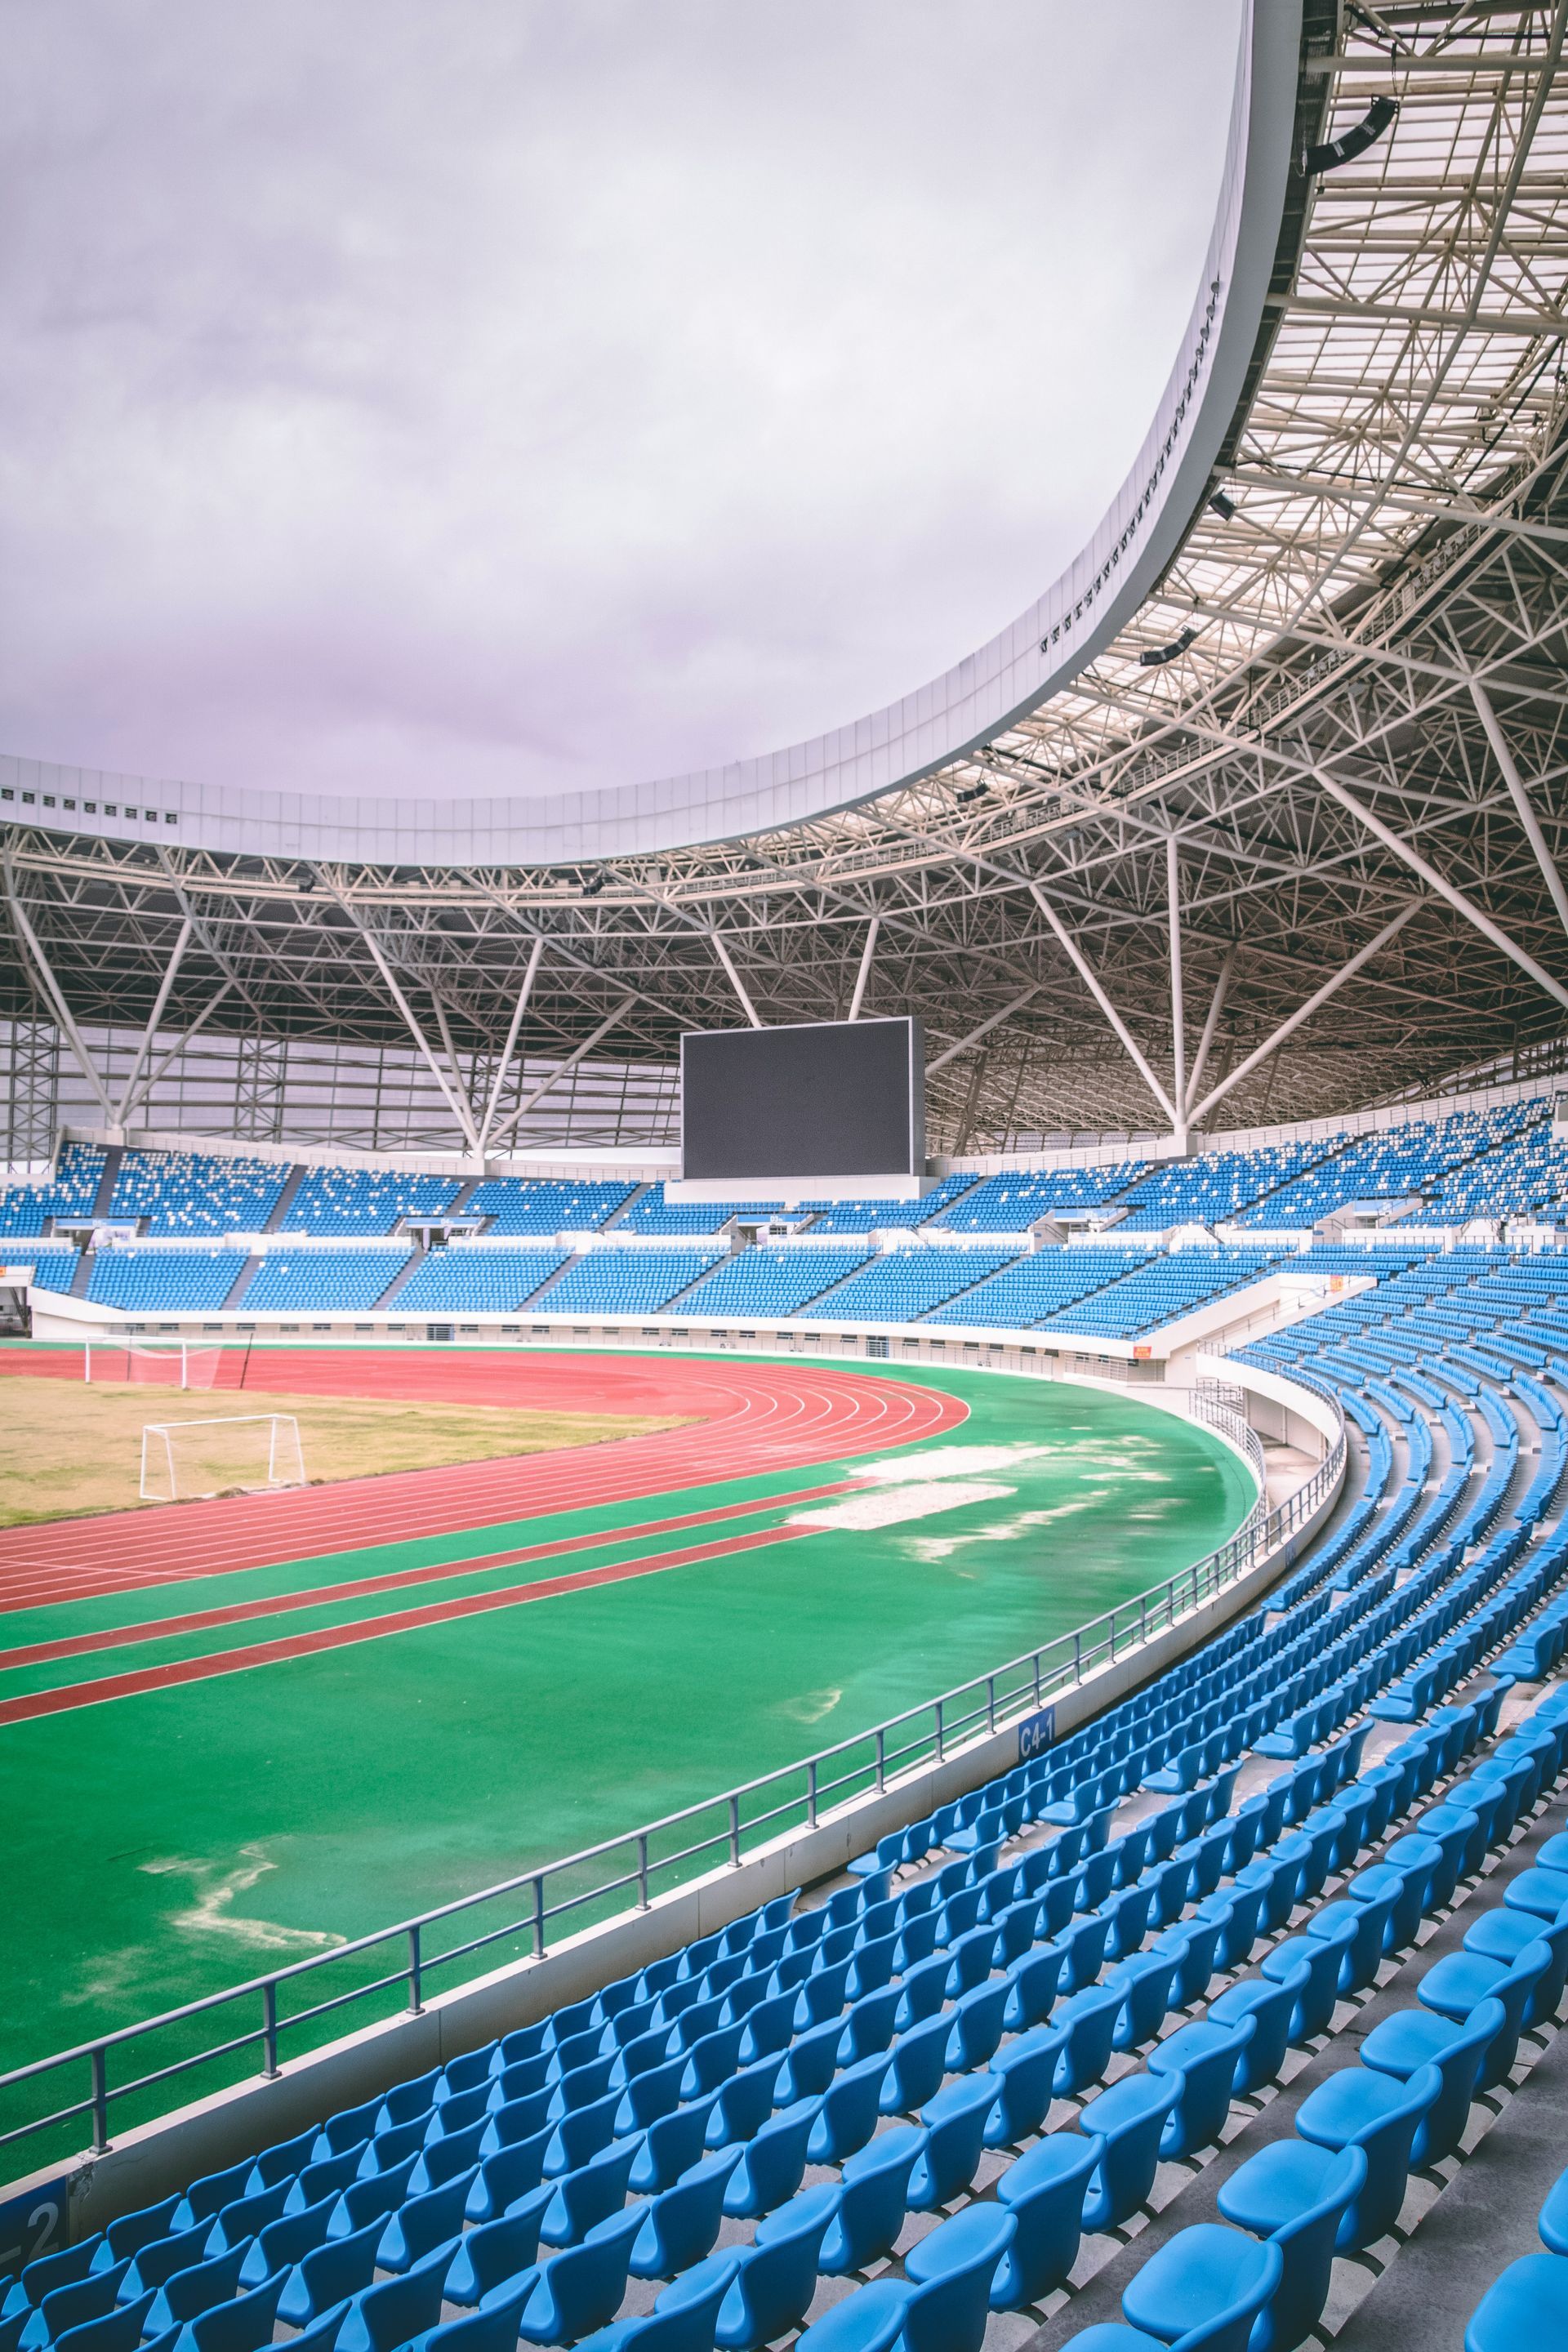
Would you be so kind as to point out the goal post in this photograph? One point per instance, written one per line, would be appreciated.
(242, 1453)
(178, 1364)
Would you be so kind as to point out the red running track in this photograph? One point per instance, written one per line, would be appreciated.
(176, 1671)
(745, 1420)
(403, 1579)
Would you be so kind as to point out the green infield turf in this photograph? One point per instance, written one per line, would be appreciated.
(180, 1840)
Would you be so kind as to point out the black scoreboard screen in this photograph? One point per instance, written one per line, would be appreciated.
(824, 1099)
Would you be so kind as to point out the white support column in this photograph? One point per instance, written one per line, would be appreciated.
(1443, 887)
(455, 1104)
(1503, 754)
(1129, 1042)
(175, 1050)
(1304, 1012)
(973, 1037)
(52, 990)
(451, 1050)
(864, 973)
(518, 1010)
(145, 1043)
(578, 1054)
(723, 952)
(1178, 1009)
(1211, 1023)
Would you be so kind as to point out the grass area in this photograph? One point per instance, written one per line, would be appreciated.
(68, 1449)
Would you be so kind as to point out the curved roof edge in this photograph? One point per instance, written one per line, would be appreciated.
(1041, 652)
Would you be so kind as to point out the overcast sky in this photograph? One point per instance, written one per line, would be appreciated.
(531, 394)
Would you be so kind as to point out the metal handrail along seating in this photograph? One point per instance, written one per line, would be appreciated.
(642, 1864)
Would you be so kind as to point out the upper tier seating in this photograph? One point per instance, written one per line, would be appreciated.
(195, 1192)
(865, 1216)
(314, 1282)
(26, 1209)
(1033, 1288)
(771, 1281)
(903, 1284)
(654, 1215)
(627, 1281)
(1163, 1290)
(516, 1204)
(464, 1280)
(365, 1199)
(1215, 1188)
(164, 1281)
(1016, 1202)
(1377, 1259)
(1388, 1165)
(1528, 1173)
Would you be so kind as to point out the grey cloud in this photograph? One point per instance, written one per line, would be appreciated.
(512, 397)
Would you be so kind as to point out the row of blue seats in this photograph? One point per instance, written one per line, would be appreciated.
(1339, 2184)
(1528, 2304)
(446, 2150)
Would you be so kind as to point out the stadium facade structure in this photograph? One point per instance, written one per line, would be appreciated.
(1255, 816)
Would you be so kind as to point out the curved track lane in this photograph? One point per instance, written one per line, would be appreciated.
(745, 1420)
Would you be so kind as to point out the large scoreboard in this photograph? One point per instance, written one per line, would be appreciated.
(835, 1100)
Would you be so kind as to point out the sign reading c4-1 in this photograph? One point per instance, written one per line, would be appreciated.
(1035, 1734)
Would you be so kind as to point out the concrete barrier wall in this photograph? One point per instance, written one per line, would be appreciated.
(146, 2164)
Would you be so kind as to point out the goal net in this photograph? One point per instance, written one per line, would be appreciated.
(234, 1453)
(178, 1364)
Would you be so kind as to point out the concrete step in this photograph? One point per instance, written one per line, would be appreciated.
(285, 1202)
(627, 1205)
(417, 1258)
(105, 1193)
(537, 1297)
(241, 1284)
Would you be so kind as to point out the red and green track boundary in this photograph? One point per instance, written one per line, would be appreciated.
(743, 1420)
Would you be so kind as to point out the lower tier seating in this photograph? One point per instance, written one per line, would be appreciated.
(457, 1281)
(1291, 1918)
(316, 1281)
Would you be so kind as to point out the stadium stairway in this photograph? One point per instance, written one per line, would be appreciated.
(105, 1193)
(872, 2113)
(541, 1296)
(819, 1301)
(620, 1215)
(241, 1282)
(278, 1216)
(416, 1257)
(534, 1296)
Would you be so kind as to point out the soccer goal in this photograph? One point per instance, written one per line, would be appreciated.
(242, 1453)
(178, 1364)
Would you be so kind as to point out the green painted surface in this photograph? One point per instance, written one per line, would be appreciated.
(178, 1842)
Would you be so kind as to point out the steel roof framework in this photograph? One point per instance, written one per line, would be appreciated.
(1354, 771)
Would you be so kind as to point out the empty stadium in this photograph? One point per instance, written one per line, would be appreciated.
(783, 1555)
